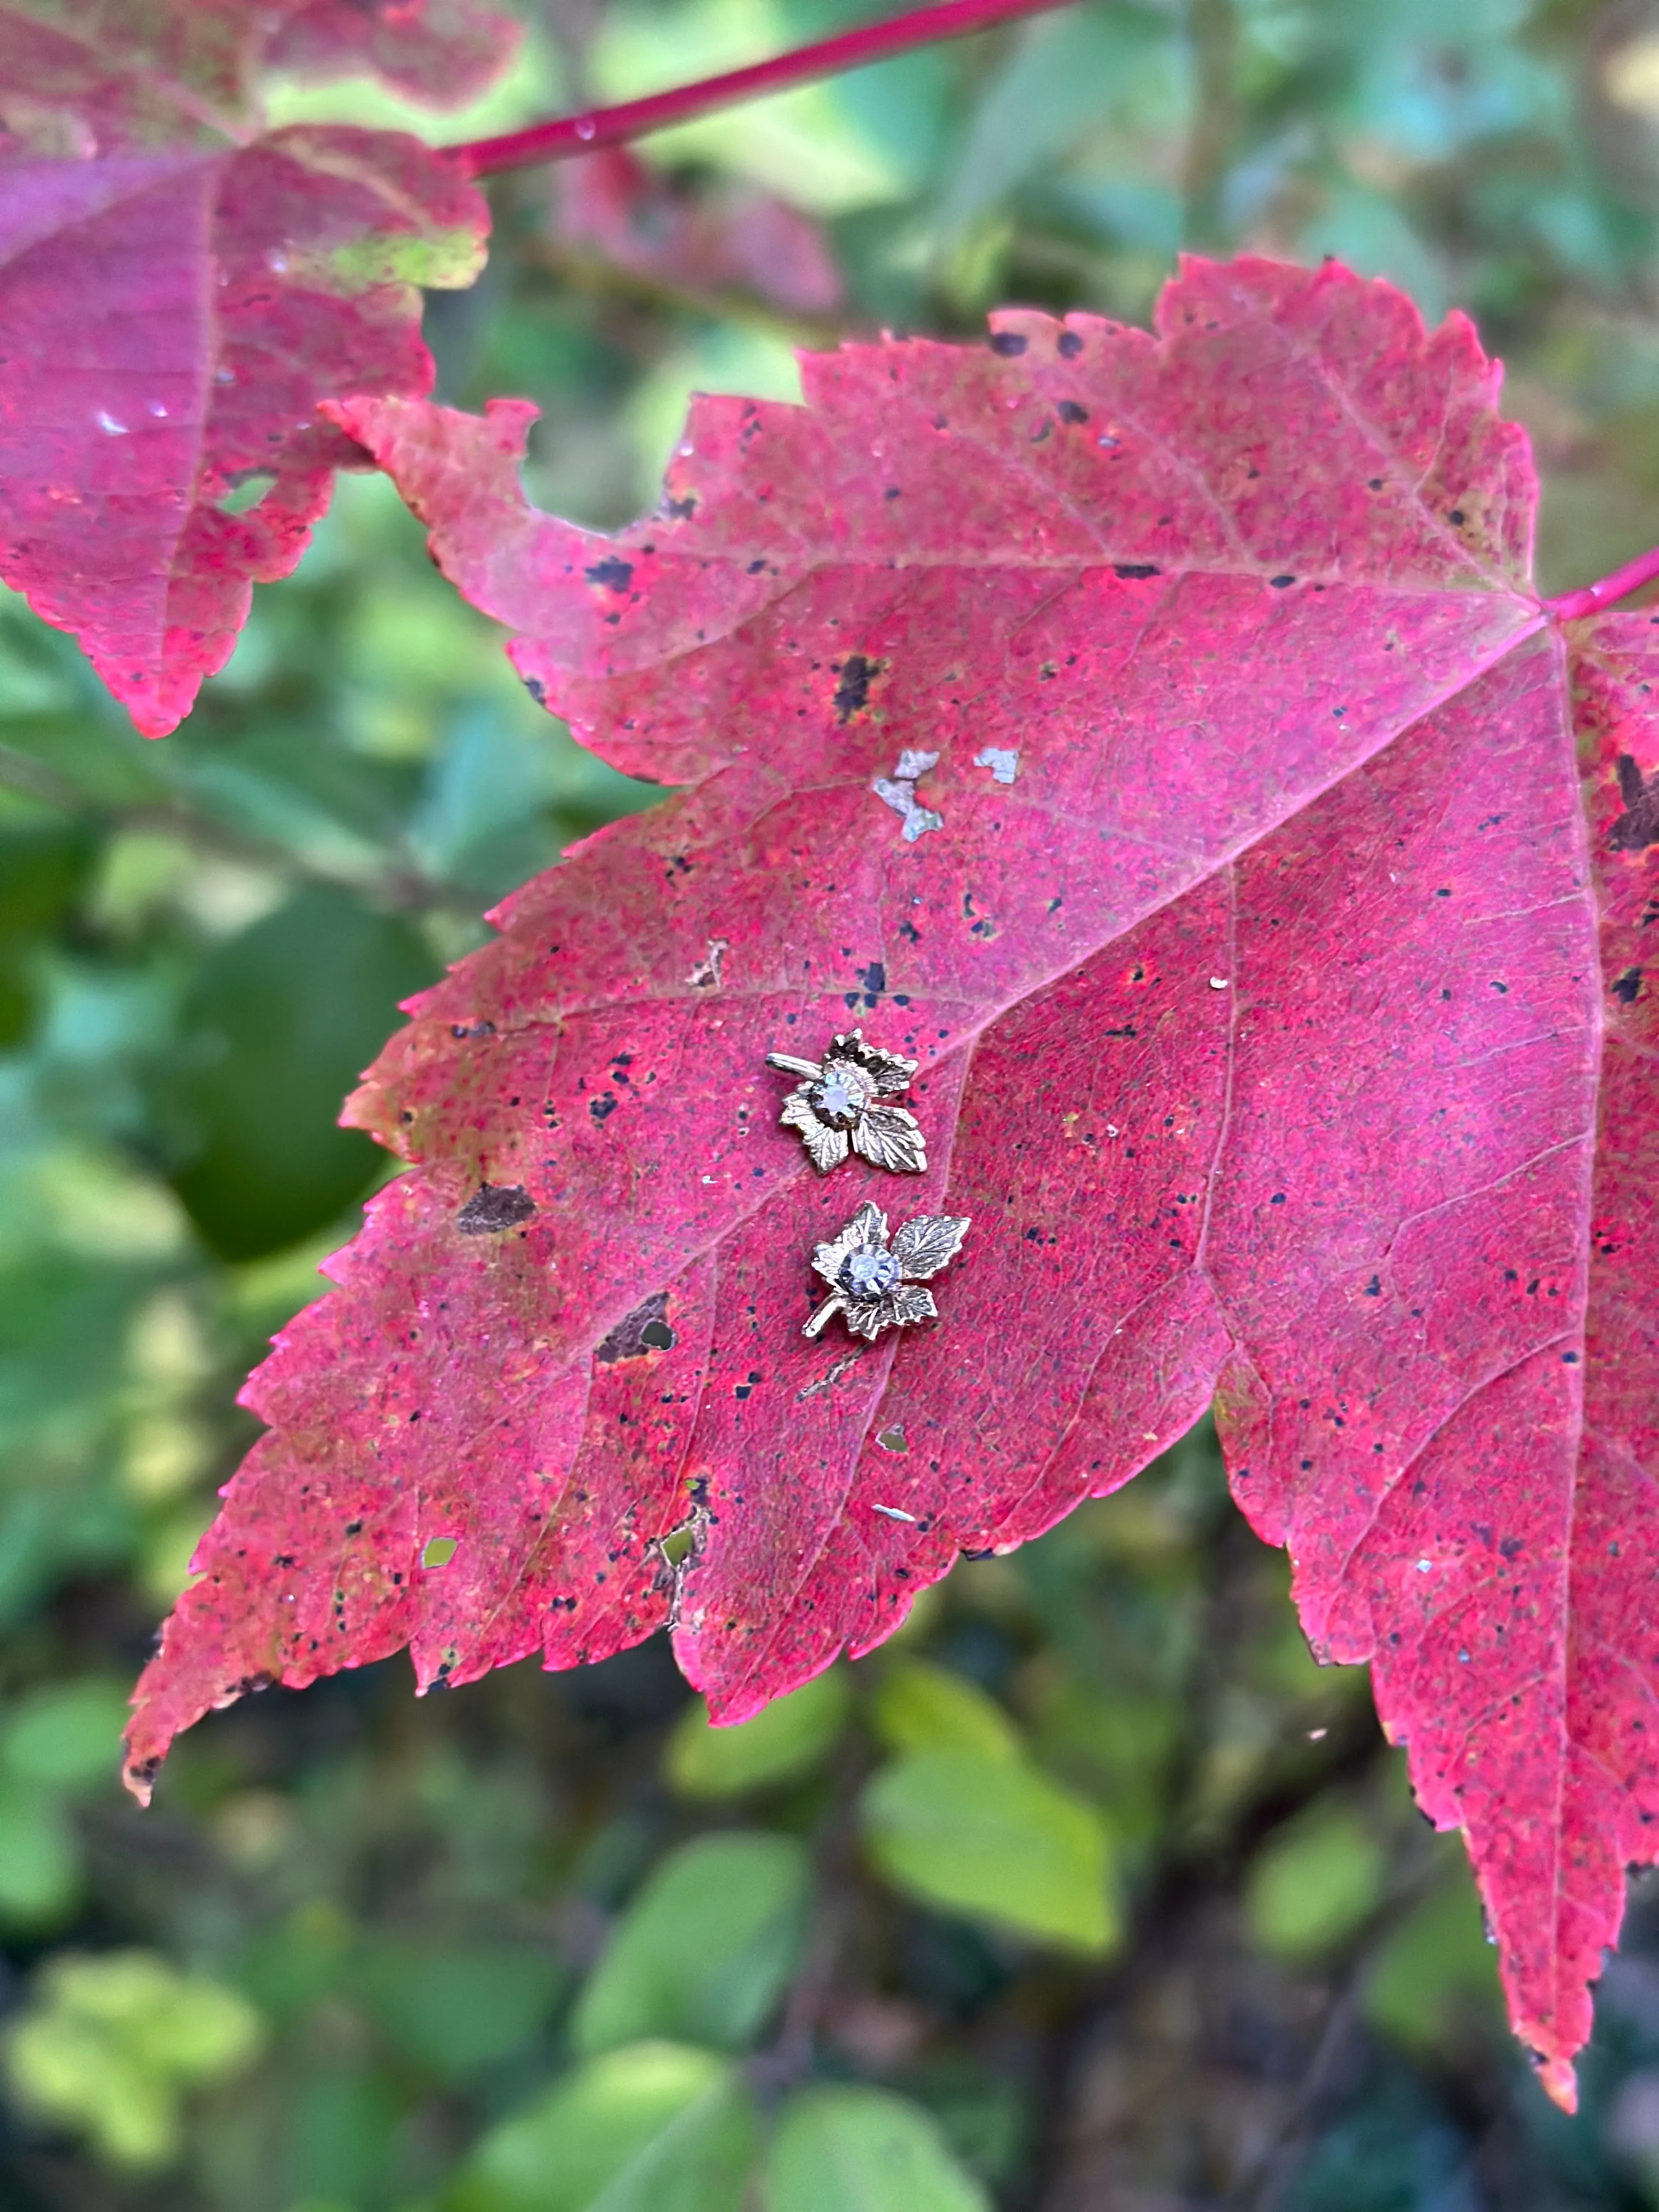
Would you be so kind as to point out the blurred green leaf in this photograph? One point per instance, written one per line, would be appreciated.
(39, 1858)
(44, 867)
(65, 1734)
(991, 1837)
(1368, 230)
(18, 1002)
(342, 2126)
(99, 757)
(107, 2044)
(1065, 77)
(652, 2127)
(1116, 1744)
(703, 1953)
(506, 791)
(1314, 1883)
(1137, 213)
(862, 2150)
(922, 1707)
(787, 1738)
(63, 1313)
(281, 1022)
(985, 2115)
(455, 2011)
(480, 822)
(303, 1957)
(1435, 1973)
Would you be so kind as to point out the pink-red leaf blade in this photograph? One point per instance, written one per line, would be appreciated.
(178, 294)
(1242, 913)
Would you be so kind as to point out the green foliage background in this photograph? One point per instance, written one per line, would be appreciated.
(1090, 1892)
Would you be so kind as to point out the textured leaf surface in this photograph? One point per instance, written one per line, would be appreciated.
(177, 293)
(1158, 738)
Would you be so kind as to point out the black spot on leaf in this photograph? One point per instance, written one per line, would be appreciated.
(613, 572)
(493, 1207)
(853, 691)
(645, 1329)
(1638, 825)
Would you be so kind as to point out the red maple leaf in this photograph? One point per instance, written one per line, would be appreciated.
(178, 291)
(1263, 896)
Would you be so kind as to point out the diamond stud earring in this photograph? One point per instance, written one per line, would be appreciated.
(875, 1280)
(842, 1106)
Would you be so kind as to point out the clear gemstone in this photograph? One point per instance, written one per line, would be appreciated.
(869, 1275)
(841, 1098)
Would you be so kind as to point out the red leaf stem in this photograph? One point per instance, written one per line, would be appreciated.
(1590, 599)
(613, 126)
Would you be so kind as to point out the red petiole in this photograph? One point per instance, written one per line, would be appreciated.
(1590, 599)
(569, 134)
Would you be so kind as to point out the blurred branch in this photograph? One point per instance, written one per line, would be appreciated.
(401, 886)
(788, 2059)
(1278, 2158)
(606, 280)
(1212, 36)
(569, 135)
(1284, 2153)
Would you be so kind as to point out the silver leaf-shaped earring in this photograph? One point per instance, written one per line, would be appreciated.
(842, 1106)
(875, 1282)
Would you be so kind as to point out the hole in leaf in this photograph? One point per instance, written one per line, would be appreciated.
(677, 1546)
(658, 1335)
(246, 492)
(440, 1551)
(894, 1440)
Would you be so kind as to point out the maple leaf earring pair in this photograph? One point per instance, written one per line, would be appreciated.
(842, 1106)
